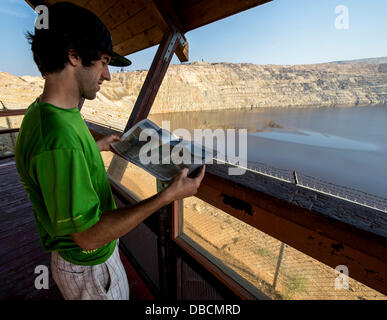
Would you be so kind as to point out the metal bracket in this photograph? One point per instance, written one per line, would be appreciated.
(170, 47)
(176, 36)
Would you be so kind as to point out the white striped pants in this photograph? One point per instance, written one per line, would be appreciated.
(106, 281)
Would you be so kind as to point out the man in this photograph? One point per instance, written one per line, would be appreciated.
(61, 167)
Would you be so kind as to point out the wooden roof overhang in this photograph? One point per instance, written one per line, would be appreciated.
(139, 24)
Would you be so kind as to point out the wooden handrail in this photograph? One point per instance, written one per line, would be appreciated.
(12, 112)
(11, 130)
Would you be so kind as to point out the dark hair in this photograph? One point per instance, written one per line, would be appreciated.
(50, 50)
(70, 27)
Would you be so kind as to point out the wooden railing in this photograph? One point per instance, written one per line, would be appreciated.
(12, 112)
(9, 113)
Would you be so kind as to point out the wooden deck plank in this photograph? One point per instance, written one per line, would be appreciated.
(25, 263)
(17, 208)
(12, 193)
(18, 214)
(19, 230)
(10, 206)
(13, 222)
(14, 245)
(22, 283)
(17, 198)
(20, 248)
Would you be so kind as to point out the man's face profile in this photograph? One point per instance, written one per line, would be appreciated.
(91, 78)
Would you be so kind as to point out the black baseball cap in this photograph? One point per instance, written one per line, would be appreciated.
(66, 19)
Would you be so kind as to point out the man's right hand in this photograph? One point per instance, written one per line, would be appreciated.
(182, 186)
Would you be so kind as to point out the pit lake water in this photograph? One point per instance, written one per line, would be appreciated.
(346, 146)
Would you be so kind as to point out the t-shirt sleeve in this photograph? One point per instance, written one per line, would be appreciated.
(64, 179)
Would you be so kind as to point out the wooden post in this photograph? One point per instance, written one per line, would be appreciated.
(13, 112)
(153, 80)
(166, 251)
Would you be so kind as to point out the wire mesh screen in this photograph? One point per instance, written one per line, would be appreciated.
(277, 270)
(194, 287)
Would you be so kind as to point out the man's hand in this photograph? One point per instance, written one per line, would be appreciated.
(182, 186)
(104, 143)
(116, 223)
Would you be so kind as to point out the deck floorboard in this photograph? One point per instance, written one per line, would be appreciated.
(20, 249)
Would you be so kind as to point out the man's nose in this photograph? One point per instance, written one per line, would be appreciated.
(106, 74)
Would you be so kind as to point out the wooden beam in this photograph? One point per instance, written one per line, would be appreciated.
(362, 217)
(12, 112)
(152, 81)
(183, 52)
(134, 25)
(168, 14)
(325, 239)
(99, 7)
(122, 11)
(11, 130)
(201, 13)
(166, 254)
(146, 39)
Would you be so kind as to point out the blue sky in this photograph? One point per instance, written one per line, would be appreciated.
(279, 32)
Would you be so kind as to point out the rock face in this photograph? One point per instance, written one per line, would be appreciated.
(217, 86)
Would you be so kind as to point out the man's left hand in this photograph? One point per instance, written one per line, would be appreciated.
(104, 143)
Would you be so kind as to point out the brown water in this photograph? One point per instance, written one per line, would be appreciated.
(345, 146)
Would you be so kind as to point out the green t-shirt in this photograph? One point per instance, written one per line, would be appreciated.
(62, 171)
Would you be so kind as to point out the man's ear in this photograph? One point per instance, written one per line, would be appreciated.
(74, 58)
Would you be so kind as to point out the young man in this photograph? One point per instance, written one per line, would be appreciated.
(61, 167)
